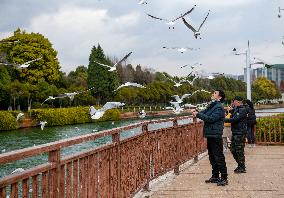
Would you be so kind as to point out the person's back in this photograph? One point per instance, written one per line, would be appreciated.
(239, 121)
(251, 121)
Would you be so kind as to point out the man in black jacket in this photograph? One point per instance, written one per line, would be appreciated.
(213, 117)
(239, 129)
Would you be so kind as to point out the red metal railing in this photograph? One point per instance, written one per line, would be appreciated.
(269, 130)
(118, 169)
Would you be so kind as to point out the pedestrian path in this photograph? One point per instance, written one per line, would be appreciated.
(264, 178)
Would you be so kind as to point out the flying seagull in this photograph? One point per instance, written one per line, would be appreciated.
(181, 49)
(180, 100)
(22, 66)
(113, 68)
(19, 116)
(98, 113)
(128, 84)
(279, 12)
(191, 66)
(176, 107)
(189, 81)
(171, 23)
(177, 83)
(52, 98)
(196, 32)
(73, 94)
(142, 2)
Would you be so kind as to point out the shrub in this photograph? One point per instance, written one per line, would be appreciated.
(7, 121)
(270, 129)
(67, 116)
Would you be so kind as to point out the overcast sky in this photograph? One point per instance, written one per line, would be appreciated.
(74, 26)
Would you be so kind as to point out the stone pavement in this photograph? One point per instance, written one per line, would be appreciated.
(264, 177)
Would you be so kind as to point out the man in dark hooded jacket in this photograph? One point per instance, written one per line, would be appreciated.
(213, 117)
(239, 131)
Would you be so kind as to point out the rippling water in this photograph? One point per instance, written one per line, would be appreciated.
(23, 138)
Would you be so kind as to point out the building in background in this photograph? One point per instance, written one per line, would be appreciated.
(274, 73)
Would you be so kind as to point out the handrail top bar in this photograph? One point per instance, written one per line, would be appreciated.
(52, 146)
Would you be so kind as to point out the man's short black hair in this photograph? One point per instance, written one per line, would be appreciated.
(221, 94)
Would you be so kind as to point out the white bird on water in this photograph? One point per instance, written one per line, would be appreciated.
(18, 170)
(19, 116)
(98, 113)
(113, 68)
(130, 84)
(42, 124)
(171, 23)
(195, 32)
(180, 100)
(181, 49)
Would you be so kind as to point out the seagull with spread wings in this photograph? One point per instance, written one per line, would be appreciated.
(22, 66)
(98, 113)
(171, 23)
(279, 12)
(180, 100)
(19, 116)
(53, 98)
(113, 68)
(175, 107)
(142, 2)
(196, 32)
(73, 94)
(130, 84)
(181, 49)
(191, 66)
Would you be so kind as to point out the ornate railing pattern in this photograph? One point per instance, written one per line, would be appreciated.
(116, 169)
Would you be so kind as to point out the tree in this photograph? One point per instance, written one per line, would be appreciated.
(103, 81)
(264, 89)
(24, 47)
(5, 81)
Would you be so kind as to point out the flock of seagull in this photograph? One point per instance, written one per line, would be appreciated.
(98, 113)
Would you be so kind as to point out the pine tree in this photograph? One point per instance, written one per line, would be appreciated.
(103, 81)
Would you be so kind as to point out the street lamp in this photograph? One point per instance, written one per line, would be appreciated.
(248, 67)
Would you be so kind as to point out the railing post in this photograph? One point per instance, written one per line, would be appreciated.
(54, 158)
(116, 139)
(176, 169)
(196, 145)
(145, 132)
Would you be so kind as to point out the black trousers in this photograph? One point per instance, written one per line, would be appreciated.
(216, 157)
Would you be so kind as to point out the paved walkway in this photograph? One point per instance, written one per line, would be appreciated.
(264, 177)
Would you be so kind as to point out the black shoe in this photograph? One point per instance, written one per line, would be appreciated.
(236, 169)
(212, 180)
(222, 182)
(241, 170)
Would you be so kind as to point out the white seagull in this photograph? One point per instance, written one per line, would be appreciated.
(128, 84)
(19, 116)
(180, 100)
(42, 124)
(188, 81)
(52, 98)
(113, 68)
(22, 66)
(142, 114)
(98, 113)
(142, 2)
(181, 49)
(177, 109)
(171, 23)
(196, 32)
(177, 83)
(279, 12)
(191, 66)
